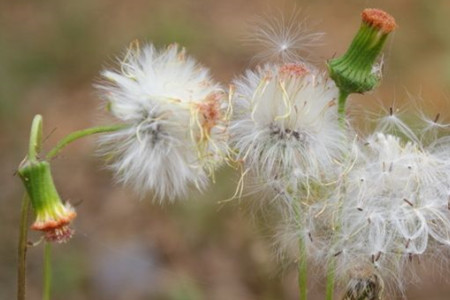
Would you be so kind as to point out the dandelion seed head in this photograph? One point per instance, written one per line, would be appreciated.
(398, 210)
(285, 127)
(176, 115)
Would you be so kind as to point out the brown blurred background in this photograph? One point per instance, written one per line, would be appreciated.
(51, 53)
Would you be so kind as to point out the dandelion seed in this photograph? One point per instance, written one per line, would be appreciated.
(283, 39)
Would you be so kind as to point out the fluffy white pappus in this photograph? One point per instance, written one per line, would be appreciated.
(393, 205)
(284, 39)
(433, 119)
(285, 127)
(175, 118)
(305, 227)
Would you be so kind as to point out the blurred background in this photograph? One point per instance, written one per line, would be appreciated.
(51, 53)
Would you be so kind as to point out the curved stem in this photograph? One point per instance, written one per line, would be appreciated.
(79, 134)
(22, 248)
(47, 271)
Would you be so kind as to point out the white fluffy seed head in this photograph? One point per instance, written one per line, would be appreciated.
(176, 134)
(392, 205)
(285, 128)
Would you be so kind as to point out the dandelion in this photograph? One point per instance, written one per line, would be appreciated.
(285, 127)
(176, 134)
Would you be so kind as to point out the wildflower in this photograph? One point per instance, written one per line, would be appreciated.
(285, 127)
(52, 216)
(176, 116)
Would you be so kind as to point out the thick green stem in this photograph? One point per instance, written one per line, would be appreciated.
(22, 249)
(79, 134)
(47, 271)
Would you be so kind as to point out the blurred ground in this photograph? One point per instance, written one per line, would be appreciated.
(51, 52)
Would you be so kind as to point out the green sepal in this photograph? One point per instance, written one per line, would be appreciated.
(38, 181)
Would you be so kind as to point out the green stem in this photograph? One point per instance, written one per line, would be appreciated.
(330, 279)
(35, 138)
(302, 264)
(79, 134)
(343, 95)
(34, 148)
(302, 270)
(22, 248)
(47, 271)
(341, 107)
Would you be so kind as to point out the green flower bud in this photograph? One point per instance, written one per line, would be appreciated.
(354, 71)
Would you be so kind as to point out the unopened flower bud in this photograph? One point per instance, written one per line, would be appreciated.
(354, 71)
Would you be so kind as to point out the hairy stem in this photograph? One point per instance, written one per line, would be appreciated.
(22, 248)
(47, 271)
(80, 134)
